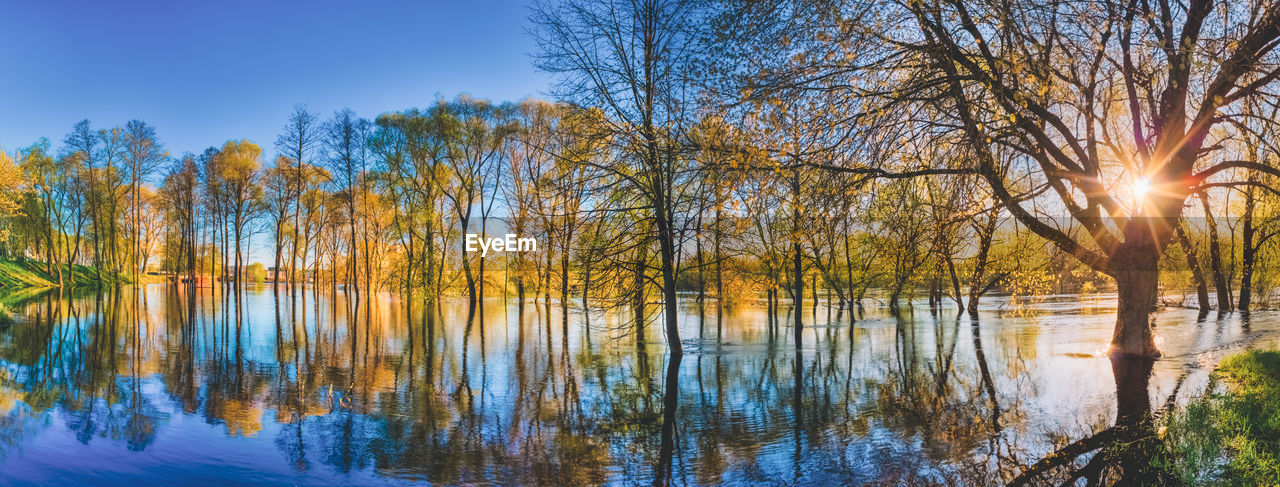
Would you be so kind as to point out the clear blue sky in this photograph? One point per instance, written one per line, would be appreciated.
(206, 72)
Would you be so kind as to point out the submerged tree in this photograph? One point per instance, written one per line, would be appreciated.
(1114, 111)
(143, 154)
(239, 164)
(344, 138)
(629, 59)
(299, 141)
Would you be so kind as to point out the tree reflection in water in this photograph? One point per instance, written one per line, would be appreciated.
(316, 388)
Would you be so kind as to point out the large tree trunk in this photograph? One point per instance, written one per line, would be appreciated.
(1136, 271)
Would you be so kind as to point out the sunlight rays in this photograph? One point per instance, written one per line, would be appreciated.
(1140, 189)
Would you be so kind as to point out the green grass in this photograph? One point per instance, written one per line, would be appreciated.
(15, 276)
(1230, 436)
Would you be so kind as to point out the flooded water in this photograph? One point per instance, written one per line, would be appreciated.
(156, 388)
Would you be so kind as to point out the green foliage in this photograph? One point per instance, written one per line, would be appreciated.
(1231, 436)
(256, 273)
(31, 274)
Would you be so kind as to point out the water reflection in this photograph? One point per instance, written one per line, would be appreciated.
(159, 385)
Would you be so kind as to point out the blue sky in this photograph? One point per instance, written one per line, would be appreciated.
(206, 72)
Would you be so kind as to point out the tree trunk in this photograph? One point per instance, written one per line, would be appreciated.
(1193, 262)
(1248, 251)
(980, 269)
(638, 298)
(236, 284)
(297, 215)
(351, 251)
(564, 279)
(471, 280)
(364, 226)
(586, 285)
(408, 273)
(519, 285)
(137, 227)
(697, 243)
(848, 267)
(54, 259)
(1215, 258)
(428, 281)
(798, 270)
(484, 235)
(546, 290)
(1136, 270)
(955, 282)
(813, 291)
(669, 287)
(275, 277)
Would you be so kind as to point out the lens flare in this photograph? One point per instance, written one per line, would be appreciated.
(1140, 188)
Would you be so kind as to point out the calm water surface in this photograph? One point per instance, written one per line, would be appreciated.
(155, 387)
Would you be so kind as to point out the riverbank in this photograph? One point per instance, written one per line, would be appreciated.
(1232, 434)
(30, 274)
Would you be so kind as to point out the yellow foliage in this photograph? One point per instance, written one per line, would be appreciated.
(12, 187)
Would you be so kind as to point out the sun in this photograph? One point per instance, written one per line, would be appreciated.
(1140, 189)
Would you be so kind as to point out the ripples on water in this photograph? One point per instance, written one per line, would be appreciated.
(315, 390)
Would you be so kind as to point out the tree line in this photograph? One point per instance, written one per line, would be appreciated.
(864, 149)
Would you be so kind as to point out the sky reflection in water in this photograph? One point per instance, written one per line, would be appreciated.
(100, 391)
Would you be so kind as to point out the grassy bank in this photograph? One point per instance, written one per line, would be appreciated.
(1232, 435)
(29, 274)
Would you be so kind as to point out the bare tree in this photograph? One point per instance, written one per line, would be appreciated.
(344, 139)
(299, 141)
(143, 154)
(629, 59)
